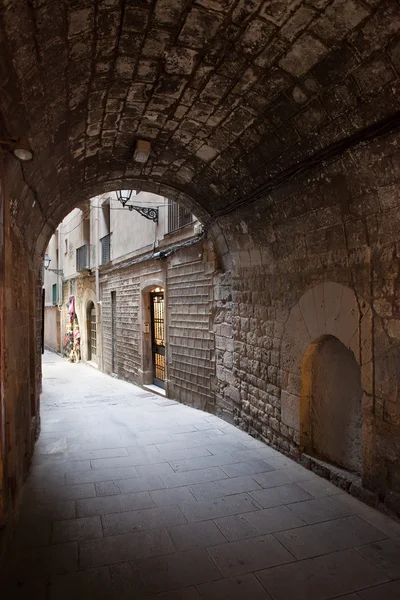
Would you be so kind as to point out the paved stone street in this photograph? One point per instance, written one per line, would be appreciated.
(133, 495)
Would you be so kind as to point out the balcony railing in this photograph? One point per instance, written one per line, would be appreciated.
(83, 258)
(105, 249)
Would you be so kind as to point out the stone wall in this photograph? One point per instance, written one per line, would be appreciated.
(339, 224)
(20, 362)
(191, 360)
(187, 278)
(52, 328)
(126, 285)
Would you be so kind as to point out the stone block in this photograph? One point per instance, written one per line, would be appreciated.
(374, 75)
(290, 410)
(180, 61)
(206, 153)
(303, 55)
(299, 21)
(338, 19)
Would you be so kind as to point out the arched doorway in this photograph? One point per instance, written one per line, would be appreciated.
(157, 316)
(91, 331)
(332, 403)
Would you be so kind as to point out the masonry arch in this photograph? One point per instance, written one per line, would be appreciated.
(148, 284)
(209, 85)
(328, 313)
(97, 188)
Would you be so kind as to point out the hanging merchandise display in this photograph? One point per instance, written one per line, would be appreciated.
(72, 336)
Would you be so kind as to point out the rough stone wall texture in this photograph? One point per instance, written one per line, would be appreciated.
(190, 341)
(126, 286)
(17, 367)
(2, 314)
(230, 93)
(20, 363)
(51, 328)
(187, 278)
(340, 223)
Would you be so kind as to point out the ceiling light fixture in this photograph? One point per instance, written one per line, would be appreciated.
(142, 151)
(19, 148)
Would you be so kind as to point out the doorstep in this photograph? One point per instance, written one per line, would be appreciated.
(92, 364)
(155, 389)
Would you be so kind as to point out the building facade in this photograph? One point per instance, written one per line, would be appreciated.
(130, 292)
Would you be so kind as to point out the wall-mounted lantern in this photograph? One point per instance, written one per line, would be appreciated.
(46, 264)
(123, 196)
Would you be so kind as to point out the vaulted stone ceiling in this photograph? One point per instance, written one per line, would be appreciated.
(230, 93)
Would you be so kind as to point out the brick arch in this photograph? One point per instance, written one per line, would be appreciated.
(327, 309)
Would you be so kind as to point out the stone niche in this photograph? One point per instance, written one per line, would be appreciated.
(333, 403)
(326, 363)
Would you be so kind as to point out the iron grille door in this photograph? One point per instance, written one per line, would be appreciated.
(158, 343)
(93, 334)
(113, 330)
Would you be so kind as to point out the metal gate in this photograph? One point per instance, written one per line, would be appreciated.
(93, 334)
(113, 330)
(157, 337)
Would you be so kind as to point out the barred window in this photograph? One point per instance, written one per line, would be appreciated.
(83, 258)
(105, 249)
(178, 216)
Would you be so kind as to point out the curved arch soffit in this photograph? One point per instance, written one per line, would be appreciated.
(61, 210)
(151, 283)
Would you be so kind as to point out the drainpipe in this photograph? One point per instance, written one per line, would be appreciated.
(97, 274)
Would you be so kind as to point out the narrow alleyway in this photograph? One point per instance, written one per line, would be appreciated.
(133, 495)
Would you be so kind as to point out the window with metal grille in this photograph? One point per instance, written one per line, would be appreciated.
(83, 258)
(54, 293)
(105, 249)
(178, 216)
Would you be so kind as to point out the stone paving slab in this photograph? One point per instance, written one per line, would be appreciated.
(132, 497)
(321, 578)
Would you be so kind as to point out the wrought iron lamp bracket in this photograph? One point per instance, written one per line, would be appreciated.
(56, 271)
(146, 212)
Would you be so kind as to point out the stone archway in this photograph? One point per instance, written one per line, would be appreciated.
(328, 310)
